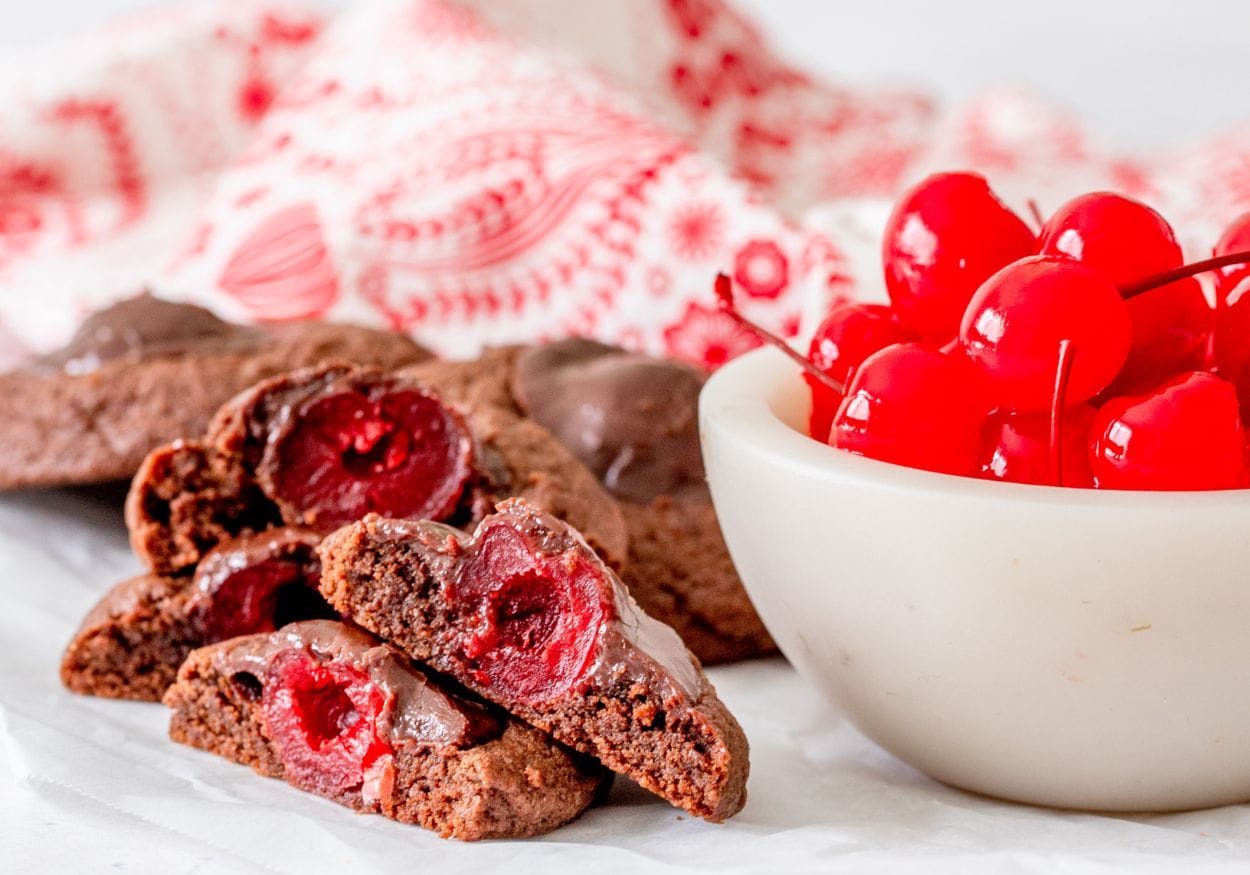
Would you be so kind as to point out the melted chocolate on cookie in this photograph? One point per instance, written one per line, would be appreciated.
(630, 418)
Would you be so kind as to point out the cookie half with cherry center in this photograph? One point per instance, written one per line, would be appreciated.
(631, 419)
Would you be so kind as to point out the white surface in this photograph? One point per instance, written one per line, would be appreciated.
(1144, 74)
(1066, 647)
(90, 785)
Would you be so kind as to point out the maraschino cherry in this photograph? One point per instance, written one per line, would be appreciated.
(1185, 434)
(1126, 241)
(1171, 328)
(1015, 322)
(1121, 238)
(1236, 238)
(1231, 346)
(908, 403)
(847, 336)
(1017, 448)
(913, 405)
(945, 237)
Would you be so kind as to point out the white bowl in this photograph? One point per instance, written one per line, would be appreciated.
(1063, 647)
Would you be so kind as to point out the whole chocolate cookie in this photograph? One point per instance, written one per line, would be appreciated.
(633, 421)
(146, 371)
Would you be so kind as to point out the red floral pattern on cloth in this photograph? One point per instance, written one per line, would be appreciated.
(488, 171)
(484, 193)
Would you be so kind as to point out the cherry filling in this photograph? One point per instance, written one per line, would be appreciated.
(261, 598)
(536, 619)
(323, 718)
(400, 454)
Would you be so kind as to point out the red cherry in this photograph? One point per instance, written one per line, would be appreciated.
(1184, 435)
(1231, 346)
(1171, 329)
(539, 616)
(1121, 238)
(847, 336)
(945, 237)
(1236, 238)
(323, 718)
(1017, 447)
(913, 405)
(1015, 322)
(258, 583)
(400, 453)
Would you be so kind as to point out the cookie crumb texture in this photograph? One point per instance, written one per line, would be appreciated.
(334, 712)
(131, 643)
(525, 614)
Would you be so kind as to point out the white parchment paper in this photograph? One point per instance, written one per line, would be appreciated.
(90, 786)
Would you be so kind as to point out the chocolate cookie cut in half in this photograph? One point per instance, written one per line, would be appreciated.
(525, 614)
(335, 712)
(324, 446)
(132, 642)
(146, 371)
(633, 421)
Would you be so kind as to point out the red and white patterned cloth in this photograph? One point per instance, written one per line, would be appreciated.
(485, 171)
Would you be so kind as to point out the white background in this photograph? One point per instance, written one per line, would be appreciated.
(1145, 73)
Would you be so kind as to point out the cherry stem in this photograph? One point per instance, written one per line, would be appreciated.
(1183, 272)
(725, 297)
(1037, 214)
(1063, 370)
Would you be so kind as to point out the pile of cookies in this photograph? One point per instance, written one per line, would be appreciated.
(441, 591)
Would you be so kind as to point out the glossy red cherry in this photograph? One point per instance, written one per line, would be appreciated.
(323, 718)
(1184, 435)
(539, 617)
(1121, 238)
(1016, 447)
(946, 236)
(1015, 322)
(1236, 238)
(258, 583)
(912, 405)
(400, 453)
(847, 336)
(1231, 336)
(1171, 330)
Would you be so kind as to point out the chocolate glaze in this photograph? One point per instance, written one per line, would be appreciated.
(130, 596)
(289, 543)
(631, 419)
(146, 327)
(419, 712)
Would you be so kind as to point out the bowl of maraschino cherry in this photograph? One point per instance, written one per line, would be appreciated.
(1003, 521)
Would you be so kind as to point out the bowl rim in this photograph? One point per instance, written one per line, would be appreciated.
(743, 402)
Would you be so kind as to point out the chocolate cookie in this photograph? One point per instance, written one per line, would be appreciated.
(146, 371)
(633, 421)
(324, 446)
(335, 712)
(524, 613)
(132, 642)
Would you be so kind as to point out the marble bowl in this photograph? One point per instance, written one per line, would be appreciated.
(1062, 647)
